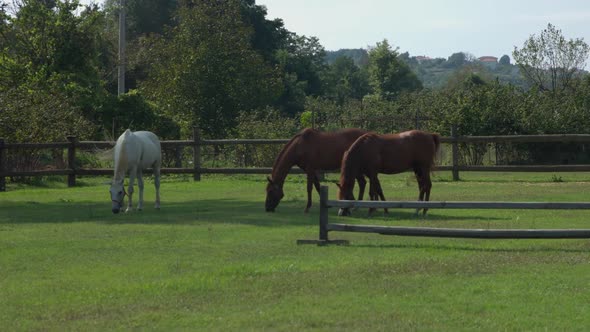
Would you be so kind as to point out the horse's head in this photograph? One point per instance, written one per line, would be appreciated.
(344, 193)
(117, 195)
(274, 194)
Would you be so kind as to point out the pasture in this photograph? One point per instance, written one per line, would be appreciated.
(212, 259)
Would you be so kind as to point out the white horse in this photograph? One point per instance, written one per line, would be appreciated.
(134, 152)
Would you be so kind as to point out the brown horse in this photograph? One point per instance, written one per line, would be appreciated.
(311, 150)
(390, 154)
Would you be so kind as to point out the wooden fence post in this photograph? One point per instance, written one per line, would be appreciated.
(178, 157)
(197, 154)
(455, 148)
(2, 165)
(72, 161)
(324, 213)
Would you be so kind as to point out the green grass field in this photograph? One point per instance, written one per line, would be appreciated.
(211, 259)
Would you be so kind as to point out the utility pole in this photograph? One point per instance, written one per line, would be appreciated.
(122, 60)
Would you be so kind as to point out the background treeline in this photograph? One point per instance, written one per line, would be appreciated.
(226, 68)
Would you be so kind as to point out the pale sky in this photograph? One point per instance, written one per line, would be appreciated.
(435, 28)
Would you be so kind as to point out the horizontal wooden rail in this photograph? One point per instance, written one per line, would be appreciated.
(459, 205)
(325, 227)
(197, 143)
(566, 138)
(57, 145)
(166, 170)
(243, 141)
(522, 168)
(268, 170)
(560, 138)
(465, 233)
(170, 143)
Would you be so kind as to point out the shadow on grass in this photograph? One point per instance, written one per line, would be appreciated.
(468, 248)
(185, 213)
(226, 211)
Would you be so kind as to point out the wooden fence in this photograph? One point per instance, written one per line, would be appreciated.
(73, 145)
(325, 226)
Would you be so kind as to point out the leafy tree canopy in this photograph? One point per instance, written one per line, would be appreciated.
(388, 75)
(204, 71)
(550, 61)
(51, 48)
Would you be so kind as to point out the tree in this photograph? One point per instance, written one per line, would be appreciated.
(143, 17)
(305, 57)
(269, 35)
(344, 80)
(359, 56)
(49, 48)
(204, 70)
(44, 41)
(302, 63)
(457, 60)
(504, 60)
(473, 74)
(388, 75)
(549, 61)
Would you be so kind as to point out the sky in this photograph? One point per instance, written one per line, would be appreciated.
(435, 28)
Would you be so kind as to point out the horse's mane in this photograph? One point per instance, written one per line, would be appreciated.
(286, 148)
(120, 156)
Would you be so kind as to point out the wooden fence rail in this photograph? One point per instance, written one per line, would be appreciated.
(73, 145)
(325, 226)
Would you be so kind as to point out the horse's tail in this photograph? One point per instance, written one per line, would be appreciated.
(436, 139)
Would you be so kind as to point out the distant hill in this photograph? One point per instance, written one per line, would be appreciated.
(358, 55)
(435, 72)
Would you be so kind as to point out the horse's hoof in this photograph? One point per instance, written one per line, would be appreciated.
(306, 210)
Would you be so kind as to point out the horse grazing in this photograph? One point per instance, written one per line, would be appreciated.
(134, 152)
(372, 153)
(311, 150)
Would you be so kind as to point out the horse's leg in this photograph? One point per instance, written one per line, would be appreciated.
(424, 185)
(380, 193)
(311, 178)
(132, 174)
(362, 185)
(316, 182)
(373, 190)
(157, 184)
(140, 186)
(420, 179)
(427, 185)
